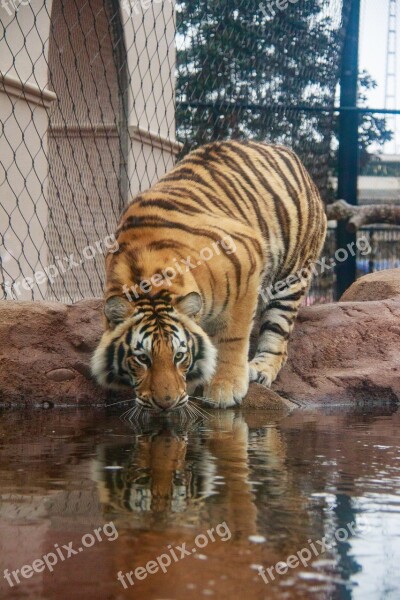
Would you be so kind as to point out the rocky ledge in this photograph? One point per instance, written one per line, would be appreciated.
(343, 353)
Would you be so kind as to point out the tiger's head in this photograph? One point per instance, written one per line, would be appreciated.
(154, 346)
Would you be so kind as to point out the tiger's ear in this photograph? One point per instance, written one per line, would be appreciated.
(189, 305)
(116, 310)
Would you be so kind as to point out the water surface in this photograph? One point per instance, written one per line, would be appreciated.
(267, 486)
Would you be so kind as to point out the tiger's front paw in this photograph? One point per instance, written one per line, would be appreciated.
(223, 393)
(261, 373)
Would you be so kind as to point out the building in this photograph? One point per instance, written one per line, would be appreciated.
(379, 182)
(88, 118)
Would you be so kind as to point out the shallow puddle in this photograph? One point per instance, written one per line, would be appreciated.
(92, 506)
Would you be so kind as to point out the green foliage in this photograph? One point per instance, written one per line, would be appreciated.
(240, 69)
(373, 130)
(235, 53)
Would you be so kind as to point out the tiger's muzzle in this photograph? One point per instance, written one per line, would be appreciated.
(163, 402)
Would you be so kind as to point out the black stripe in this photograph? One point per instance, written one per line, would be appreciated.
(280, 207)
(268, 352)
(121, 356)
(225, 184)
(254, 200)
(154, 221)
(164, 245)
(170, 205)
(277, 304)
(275, 328)
(227, 295)
(200, 347)
(110, 356)
(176, 175)
(294, 296)
(128, 338)
(215, 197)
(189, 194)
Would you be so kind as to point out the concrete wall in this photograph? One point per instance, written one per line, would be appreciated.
(24, 99)
(64, 128)
(149, 29)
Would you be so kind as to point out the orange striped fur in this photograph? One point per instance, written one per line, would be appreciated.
(257, 212)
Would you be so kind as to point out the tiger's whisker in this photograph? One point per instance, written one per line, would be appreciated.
(195, 409)
(199, 413)
(130, 409)
(201, 409)
(188, 411)
(126, 416)
(135, 413)
(210, 400)
(131, 413)
(121, 402)
(123, 415)
(192, 413)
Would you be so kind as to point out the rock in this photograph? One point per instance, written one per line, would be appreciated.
(60, 375)
(375, 286)
(258, 397)
(343, 353)
(45, 352)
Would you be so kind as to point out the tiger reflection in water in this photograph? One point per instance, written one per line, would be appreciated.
(174, 476)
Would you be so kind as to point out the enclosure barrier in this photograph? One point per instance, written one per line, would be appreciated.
(99, 98)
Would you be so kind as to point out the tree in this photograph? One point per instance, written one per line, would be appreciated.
(242, 70)
(373, 129)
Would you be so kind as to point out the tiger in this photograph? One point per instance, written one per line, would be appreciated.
(171, 469)
(227, 237)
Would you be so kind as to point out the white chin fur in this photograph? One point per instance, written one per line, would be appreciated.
(209, 363)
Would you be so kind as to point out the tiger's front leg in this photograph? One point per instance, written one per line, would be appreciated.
(231, 380)
(277, 320)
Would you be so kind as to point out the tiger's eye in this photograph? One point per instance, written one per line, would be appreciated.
(179, 355)
(143, 358)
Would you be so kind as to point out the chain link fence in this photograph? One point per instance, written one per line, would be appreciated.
(87, 120)
(99, 98)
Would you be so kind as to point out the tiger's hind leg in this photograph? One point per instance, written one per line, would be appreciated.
(277, 320)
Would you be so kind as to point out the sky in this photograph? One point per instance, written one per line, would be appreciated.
(373, 48)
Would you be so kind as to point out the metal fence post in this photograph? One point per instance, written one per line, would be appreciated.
(348, 143)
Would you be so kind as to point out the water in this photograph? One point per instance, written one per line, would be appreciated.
(267, 486)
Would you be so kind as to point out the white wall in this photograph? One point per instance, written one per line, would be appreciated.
(24, 97)
(81, 186)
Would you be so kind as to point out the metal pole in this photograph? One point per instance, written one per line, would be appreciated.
(285, 107)
(348, 144)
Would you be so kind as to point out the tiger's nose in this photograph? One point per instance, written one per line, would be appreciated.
(164, 403)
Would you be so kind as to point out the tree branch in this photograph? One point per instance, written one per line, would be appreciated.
(357, 216)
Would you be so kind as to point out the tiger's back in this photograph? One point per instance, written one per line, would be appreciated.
(233, 188)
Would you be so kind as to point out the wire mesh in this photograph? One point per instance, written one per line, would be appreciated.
(98, 98)
(88, 120)
(377, 248)
(248, 69)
